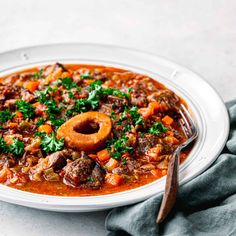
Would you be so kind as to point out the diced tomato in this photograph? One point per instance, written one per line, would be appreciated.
(167, 120)
(103, 155)
(111, 164)
(32, 85)
(45, 128)
(113, 179)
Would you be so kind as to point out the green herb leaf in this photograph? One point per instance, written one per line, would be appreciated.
(136, 117)
(67, 83)
(17, 147)
(86, 75)
(38, 74)
(157, 128)
(3, 146)
(51, 143)
(6, 116)
(26, 108)
(41, 121)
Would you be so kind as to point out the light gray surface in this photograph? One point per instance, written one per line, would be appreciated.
(198, 34)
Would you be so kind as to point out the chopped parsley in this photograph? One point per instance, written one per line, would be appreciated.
(17, 147)
(86, 75)
(136, 117)
(41, 121)
(157, 128)
(119, 147)
(67, 83)
(6, 116)
(3, 146)
(51, 143)
(38, 74)
(26, 108)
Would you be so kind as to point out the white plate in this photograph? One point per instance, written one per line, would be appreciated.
(207, 108)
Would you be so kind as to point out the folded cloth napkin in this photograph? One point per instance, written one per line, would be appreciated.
(205, 206)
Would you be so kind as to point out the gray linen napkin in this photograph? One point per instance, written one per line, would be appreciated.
(205, 206)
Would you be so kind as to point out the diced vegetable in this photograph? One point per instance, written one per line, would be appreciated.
(113, 179)
(171, 139)
(111, 164)
(45, 129)
(103, 155)
(167, 120)
(32, 85)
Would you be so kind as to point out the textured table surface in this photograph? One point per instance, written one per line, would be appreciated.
(200, 35)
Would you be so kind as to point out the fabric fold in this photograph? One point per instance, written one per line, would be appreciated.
(205, 206)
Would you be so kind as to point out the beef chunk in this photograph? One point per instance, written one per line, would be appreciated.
(55, 161)
(145, 143)
(97, 177)
(83, 172)
(117, 103)
(167, 99)
(138, 96)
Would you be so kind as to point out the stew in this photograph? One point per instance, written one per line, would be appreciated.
(79, 130)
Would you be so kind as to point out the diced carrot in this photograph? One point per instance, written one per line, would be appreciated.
(103, 155)
(111, 164)
(12, 125)
(113, 179)
(8, 139)
(18, 114)
(156, 172)
(45, 128)
(167, 120)
(89, 81)
(65, 74)
(171, 139)
(153, 106)
(150, 110)
(32, 85)
(169, 132)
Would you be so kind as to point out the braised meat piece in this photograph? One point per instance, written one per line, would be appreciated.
(83, 171)
(168, 100)
(145, 143)
(138, 96)
(56, 161)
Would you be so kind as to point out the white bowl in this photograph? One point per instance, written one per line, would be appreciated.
(205, 104)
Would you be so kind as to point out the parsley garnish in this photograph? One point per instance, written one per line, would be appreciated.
(136, 117)
(41, 121)
(6, 116)
(17, 147)
(38, 74)
(86, 75)
(67, 83)
(26, 108)
(51, 143)
(157, 128)
(120, 146)
(3, 146)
